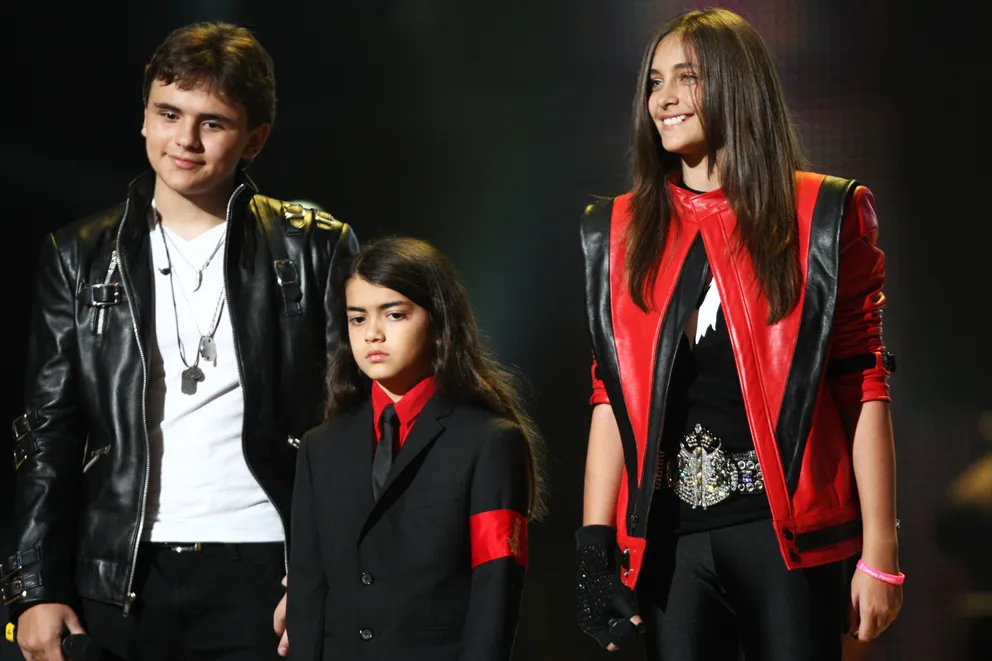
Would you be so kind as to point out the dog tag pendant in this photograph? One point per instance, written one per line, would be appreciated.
(208, 350)
(191, 376)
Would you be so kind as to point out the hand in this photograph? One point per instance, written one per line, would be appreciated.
(279, 622)
(874, 605)
(607, 608)
(39, 631)
(627, 636)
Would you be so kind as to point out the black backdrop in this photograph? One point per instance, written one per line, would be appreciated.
(485, 128)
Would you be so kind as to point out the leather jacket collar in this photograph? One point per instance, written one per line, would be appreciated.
(141, 190)
(693, 207)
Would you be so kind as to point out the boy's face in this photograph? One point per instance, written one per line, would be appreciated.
(195, 139)
(391, 336)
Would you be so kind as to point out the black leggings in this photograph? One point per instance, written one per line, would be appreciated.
(725, 594)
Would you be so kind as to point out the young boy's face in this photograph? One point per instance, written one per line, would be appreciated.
(195, 139)
(391, 336)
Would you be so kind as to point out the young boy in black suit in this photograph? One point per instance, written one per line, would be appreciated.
(411, 503)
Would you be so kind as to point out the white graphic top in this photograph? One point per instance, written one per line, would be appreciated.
(708, 311)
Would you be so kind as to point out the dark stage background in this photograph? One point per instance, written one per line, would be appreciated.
(485, 128)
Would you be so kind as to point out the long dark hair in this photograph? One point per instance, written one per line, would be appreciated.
(464, 368)
(745, 118)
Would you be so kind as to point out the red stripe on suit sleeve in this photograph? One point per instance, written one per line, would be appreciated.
(498, 534)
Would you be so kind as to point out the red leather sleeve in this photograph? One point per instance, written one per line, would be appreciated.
(599, 395)
(857, 326)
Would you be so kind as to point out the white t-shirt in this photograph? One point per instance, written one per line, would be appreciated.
(200, 488)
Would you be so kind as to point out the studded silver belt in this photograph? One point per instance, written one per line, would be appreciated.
(704, 474)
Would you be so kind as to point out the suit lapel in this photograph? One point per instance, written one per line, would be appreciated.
(423, 434)
(349, 464)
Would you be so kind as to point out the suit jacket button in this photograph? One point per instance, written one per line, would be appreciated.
(366, 578)
(366, 634)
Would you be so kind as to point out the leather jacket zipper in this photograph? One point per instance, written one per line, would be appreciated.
(129, 595)
(101, 316)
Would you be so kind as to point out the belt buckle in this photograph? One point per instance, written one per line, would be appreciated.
(286, 273)
(186, 548)
(11, 591)
(706, 474)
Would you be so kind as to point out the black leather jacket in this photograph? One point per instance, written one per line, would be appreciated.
(81, 449)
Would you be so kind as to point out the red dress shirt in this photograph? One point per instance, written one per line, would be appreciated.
(408, 407)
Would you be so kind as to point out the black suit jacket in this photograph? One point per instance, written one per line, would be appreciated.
(393, 579)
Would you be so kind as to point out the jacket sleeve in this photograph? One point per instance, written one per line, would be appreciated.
(599, 395)
(498, 529)
(49, 443)
(306, 584)
(859, 368)
(342, 248)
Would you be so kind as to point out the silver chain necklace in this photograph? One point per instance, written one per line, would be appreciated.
(197, 271)
(207, 348)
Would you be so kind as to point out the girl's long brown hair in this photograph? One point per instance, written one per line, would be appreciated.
(464, 368)
(746, 122)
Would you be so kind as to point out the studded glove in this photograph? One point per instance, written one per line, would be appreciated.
(604, 604)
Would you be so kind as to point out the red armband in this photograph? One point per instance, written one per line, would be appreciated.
(497, 534)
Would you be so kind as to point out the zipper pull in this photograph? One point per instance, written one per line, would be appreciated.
(128, 603)
(101, 314)
(632, 521)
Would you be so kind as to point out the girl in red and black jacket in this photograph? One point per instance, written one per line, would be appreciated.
(741, 447)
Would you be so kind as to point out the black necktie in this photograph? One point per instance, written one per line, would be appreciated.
(388, 444)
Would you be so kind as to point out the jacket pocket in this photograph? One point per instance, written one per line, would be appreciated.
(93, 457)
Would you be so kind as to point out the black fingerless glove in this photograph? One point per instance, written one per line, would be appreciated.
(604, 604)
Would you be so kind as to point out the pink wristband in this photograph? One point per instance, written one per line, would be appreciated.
(894, 579)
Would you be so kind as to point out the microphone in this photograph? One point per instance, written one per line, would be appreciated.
(80, 647)
(165, 270)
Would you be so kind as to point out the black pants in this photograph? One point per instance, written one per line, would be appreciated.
(215, 604)
(725, 594)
